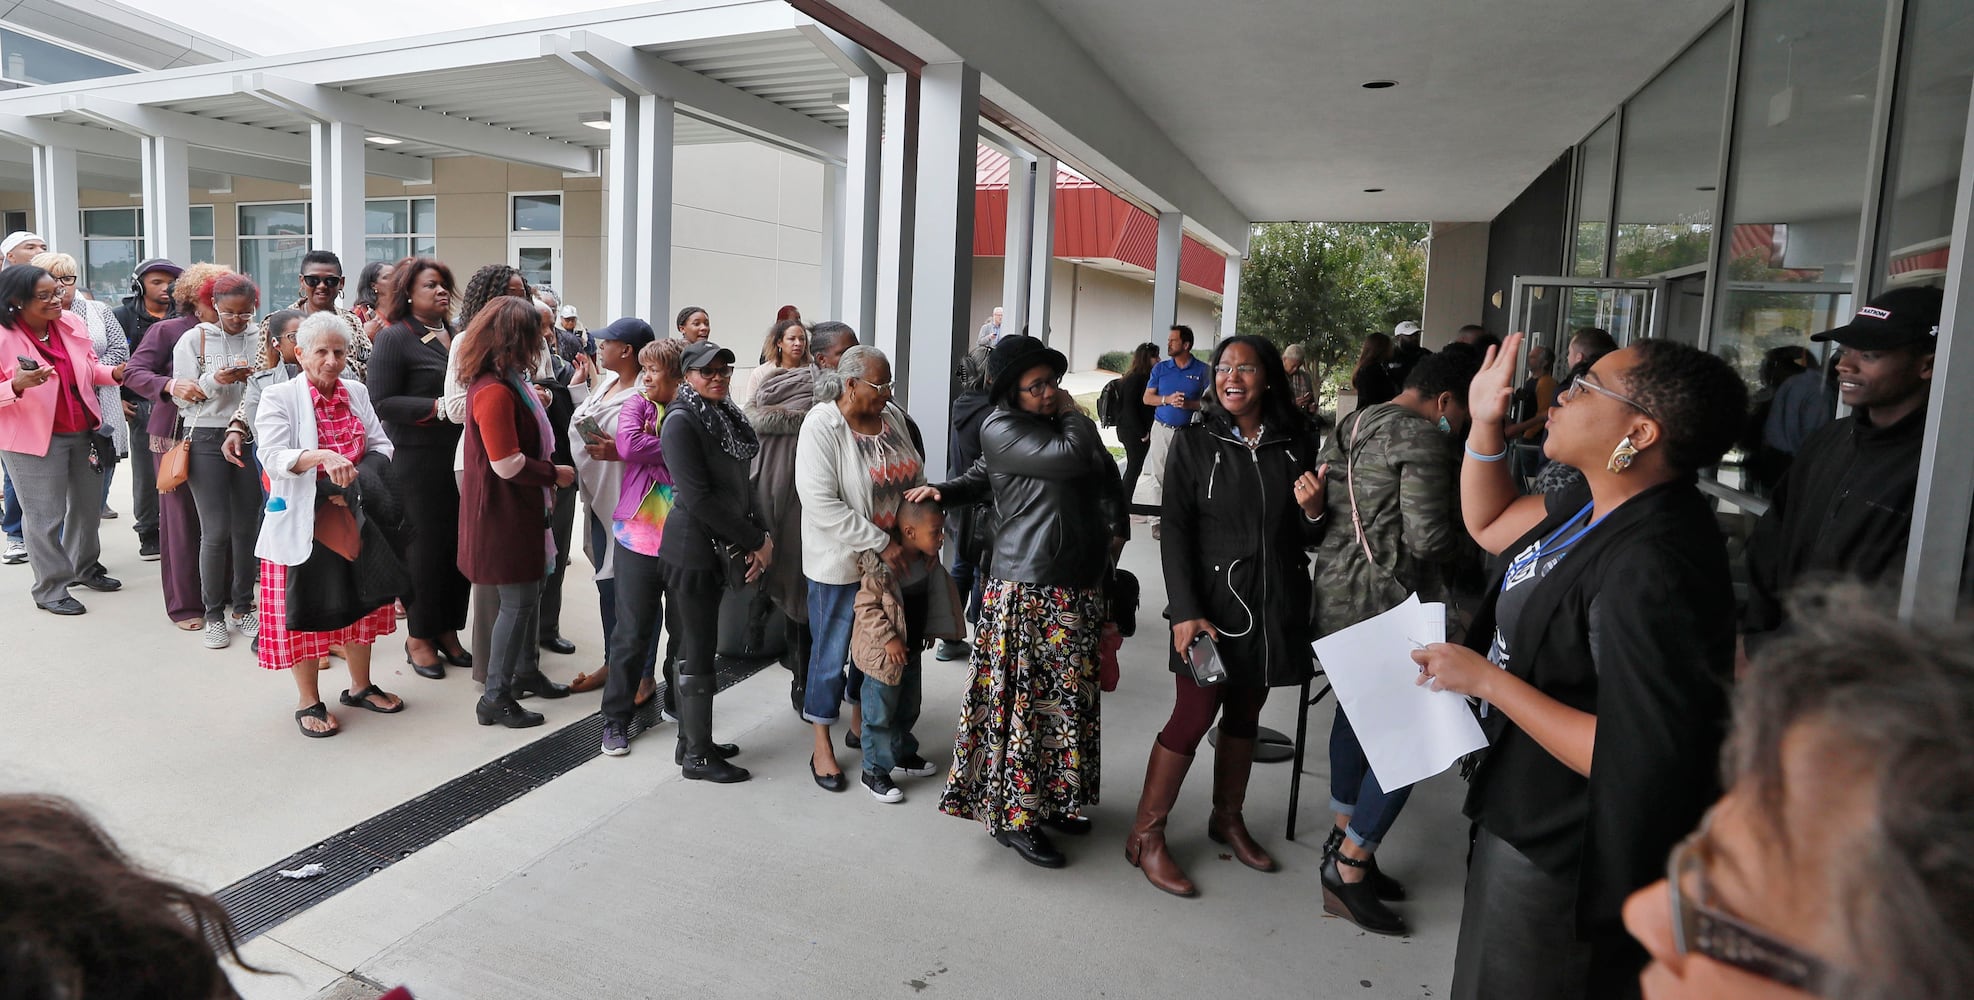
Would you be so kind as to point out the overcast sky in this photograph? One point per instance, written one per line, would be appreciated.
(275, 29)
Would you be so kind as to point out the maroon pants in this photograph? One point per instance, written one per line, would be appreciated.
(1194, 707)
(178, 546)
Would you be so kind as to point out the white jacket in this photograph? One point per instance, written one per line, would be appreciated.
(835, 489)
(283, 429)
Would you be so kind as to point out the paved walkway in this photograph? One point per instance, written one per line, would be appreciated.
(621, 880)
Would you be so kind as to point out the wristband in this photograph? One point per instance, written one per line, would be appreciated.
(1478, 457)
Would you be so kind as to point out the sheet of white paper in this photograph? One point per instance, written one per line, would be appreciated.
(1409, 732)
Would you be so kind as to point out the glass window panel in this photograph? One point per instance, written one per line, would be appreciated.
(425, 246)
(1930, 125)
(1670, 162)
(537, 213)
(28, 59)
(537, 265)
(386, 216)
(111, 222)
(202, 222)
(276, 266)
(387, 250)
(204, 251)
(425, 215)
(1593, 199)
(108, 264)
(286, 219)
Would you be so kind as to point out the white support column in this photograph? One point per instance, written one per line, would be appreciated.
(167, 198)
(1230, 297)
(1042, 248)
(1017, 257)
(898, 203)
(861, 202)
(57, 203)
(833, 249)
(336, 190)
(638, 241)
(942, 261)
(1165, 277)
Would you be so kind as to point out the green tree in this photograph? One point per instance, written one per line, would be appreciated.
(1325, 285)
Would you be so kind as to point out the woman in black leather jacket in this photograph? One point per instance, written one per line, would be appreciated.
(1059, 514)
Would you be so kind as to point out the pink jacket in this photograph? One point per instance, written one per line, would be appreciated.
(27, 423)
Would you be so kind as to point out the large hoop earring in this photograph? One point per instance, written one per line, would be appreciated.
(1622, 456)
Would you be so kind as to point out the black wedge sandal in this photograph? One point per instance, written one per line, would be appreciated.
(320, 713)
(361, 699)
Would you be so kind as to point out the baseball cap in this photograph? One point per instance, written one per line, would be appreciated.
(15, 239)
(568, 312)
(1902, 317)
(702, 354)
(630, 330)
(154, 264)
(1406, 329)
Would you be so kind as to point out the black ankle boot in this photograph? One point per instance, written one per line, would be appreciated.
(1388, 889)
(1357, 902)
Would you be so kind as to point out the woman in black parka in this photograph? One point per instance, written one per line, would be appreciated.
(1242, 500)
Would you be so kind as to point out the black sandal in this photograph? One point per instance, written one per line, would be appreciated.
(320, 713)
(361, 699)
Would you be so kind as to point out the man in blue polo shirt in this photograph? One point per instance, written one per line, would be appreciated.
(1175, 387)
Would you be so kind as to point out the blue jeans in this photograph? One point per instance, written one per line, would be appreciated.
(1354, 790)
(10, 518)
(830, 674)
(891, 710)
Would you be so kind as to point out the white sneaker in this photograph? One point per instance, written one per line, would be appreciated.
(217, 636)
(247, 624)
(16, 553)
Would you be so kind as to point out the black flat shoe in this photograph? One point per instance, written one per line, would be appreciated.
(537, 684)
(827, 782)
(1357, 902)
(557, 644)
(429, 671)
(506, 712)
(1075, 826)
(65, 606)
(724, 751)
(1034, 847)
(460, 659)
(852, 740)
(101, 582)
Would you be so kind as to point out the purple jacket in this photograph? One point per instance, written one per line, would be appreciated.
(643, 454)
(149, 371)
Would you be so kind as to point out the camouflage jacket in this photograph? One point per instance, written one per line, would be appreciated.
(1407, 499)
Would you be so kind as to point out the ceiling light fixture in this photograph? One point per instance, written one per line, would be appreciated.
(1373, 190)
(1704, 187)
(383, 140)
(1381, 85)
(596, 120)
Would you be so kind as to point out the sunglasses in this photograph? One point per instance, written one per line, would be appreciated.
(318, 280)
(1582, 382)
(1700, 928)
(724, 371)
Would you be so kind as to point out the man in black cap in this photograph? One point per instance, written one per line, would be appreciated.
(1845, 507)
(149, 302)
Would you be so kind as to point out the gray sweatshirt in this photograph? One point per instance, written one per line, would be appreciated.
(187, 364)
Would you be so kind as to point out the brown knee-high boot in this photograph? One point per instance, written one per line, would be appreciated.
(1231, 763)
(1146, 846)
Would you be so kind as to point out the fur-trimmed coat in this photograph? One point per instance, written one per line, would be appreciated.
(776, 411)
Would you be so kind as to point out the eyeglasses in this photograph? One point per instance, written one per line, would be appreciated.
(64, 280)
(317, 280)
(223, 314)
(724, 371)
(48, 297)
(1582, 382)
(1231, 369)
(1699, 928)
(1039, 389)
(882, 387)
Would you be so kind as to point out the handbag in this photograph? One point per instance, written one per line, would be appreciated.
(327, 591)
(175, 467)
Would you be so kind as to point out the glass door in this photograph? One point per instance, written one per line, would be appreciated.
(1549, 308)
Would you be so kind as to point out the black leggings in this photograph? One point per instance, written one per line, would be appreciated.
(1193, 709)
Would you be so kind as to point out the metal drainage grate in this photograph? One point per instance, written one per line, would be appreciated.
(264, 900)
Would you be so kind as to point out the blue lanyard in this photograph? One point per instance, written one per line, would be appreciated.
(1541, 548)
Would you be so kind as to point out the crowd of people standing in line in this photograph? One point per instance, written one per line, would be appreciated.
(412, 451)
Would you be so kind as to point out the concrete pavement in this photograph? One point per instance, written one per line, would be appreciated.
(621, 880)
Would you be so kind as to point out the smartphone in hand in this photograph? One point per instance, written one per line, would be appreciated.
(27, 364)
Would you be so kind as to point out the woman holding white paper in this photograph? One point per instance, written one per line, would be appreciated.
(1609, 637)
(1241, 503)
(1393, 530)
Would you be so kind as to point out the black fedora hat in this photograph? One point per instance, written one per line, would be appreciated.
(1016, 354)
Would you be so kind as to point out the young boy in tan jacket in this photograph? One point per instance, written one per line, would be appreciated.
(899, 612)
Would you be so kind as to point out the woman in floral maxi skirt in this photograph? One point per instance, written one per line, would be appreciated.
(1026, 755)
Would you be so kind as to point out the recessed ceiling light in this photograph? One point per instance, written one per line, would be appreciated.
(1381, 84)
(383, 140)
(1372, 190)
(1704, 187)
(595, 120)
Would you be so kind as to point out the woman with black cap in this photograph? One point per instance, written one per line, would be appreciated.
(600, 469)
(1060, 510)
(711, 530)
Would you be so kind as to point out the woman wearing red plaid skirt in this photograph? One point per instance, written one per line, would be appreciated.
(315, 426)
